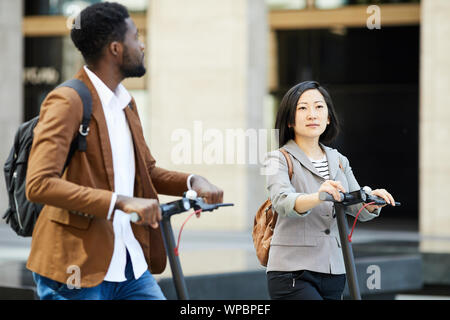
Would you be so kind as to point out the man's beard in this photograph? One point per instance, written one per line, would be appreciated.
(130, 69)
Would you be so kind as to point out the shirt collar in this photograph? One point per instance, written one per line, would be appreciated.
(105, 94)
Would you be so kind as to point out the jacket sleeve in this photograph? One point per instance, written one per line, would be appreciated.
(353, 185)
(281, 192)
(58, 125)
(167, 182)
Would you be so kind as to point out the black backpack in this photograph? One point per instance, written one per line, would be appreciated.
(21, 213)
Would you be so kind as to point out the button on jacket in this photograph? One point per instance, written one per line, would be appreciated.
(73, 229)
(307, 241)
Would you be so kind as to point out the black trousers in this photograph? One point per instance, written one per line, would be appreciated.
(305, 285)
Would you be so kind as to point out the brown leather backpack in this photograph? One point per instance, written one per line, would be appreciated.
(265, 220)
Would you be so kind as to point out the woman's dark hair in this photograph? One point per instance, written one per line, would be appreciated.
(288, 108)
(99, 25)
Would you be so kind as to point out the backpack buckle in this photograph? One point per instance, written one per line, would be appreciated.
(82, 131)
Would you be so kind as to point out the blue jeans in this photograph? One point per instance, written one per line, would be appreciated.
(144, 288)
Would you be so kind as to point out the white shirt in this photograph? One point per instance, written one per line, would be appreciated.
(113, 104)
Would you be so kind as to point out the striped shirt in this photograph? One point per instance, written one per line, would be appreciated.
(322, 166)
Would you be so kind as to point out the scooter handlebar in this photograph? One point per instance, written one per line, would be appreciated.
(134, 217)
(354, 197)
(325, 196)
(182, 205)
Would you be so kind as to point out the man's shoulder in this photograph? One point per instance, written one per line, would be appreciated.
(63, 93)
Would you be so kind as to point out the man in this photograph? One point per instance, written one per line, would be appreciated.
(83, 236)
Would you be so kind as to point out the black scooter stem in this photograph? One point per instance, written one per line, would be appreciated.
(175, 266)
(347, 252)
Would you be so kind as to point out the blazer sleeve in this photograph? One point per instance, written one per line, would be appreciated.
(353, 185)
(281, 192)
(59, 120)
(167, 182)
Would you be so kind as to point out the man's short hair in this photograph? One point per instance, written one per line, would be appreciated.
(99, 25)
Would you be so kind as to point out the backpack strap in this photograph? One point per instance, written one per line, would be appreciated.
(80, 143)
(86, 98)
(289, 162)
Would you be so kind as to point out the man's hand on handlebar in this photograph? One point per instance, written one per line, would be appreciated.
(206, 190)
(148, 210)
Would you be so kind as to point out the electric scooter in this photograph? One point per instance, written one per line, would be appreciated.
(189, 201)
(348, 199)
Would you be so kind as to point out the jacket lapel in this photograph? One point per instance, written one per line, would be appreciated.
(99, 116)
(298, 153)
(333, 161)
(136, 133)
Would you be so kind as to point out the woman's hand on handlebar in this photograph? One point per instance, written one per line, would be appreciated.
(148, 210)
(383, 194)
(333, 188)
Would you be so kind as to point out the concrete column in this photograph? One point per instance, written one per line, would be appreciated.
(434, 154)
(207, 80)
(11, 88)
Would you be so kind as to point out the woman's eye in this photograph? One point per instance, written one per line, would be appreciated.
(301, 108)
(319, 106)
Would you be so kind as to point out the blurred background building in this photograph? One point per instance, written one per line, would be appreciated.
(215, 66)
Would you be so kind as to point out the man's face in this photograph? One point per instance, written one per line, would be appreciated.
(133, 53)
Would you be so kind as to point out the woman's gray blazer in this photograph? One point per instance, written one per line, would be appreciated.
(309, 241)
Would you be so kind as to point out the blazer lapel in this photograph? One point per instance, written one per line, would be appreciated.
(333, 161)
(332, 158)
(298, 153)
(99, 116)
(134, 124)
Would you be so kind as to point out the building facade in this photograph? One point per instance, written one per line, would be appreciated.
(217, 71)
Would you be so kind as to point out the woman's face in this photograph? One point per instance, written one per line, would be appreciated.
(311, 117)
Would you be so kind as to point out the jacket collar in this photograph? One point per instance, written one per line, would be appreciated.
(105, 94)
(297, 153)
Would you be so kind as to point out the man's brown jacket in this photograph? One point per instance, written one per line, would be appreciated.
(72, 230)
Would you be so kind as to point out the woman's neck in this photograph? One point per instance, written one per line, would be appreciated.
(310, 147)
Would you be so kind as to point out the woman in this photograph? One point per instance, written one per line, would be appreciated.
(305, 258)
